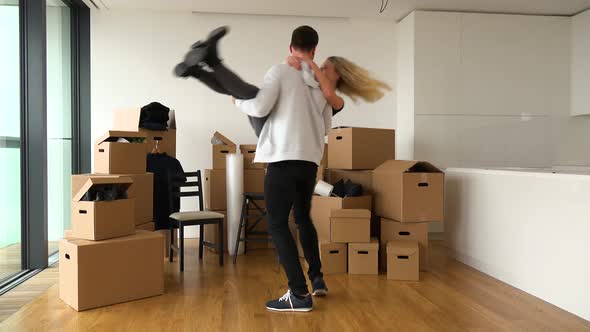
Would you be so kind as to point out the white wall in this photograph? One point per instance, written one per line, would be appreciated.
(580, 66)
(133, 54)
(488, 87)
(404, 135)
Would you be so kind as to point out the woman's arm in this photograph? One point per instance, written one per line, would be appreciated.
(326, 86)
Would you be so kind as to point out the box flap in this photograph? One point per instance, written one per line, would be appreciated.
(369, 246)
(118, 133)
(219, 139)
(406, 166)
(123, 180)
(127, 119)
(350, 213)
(248, 148)
(406, 248)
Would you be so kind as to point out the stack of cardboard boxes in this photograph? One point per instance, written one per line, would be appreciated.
(103, 259)
(215, 184)
(345, 224)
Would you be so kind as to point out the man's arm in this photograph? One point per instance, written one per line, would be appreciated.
(266, 98)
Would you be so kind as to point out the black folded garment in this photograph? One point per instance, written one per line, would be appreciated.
(339, 189)
(105, 192)
(154, 116)
(347, 189)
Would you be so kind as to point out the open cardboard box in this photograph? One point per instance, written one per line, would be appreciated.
(99, 273)
(221, 147)
(321, 208)
(362, 177)
(128, 120)
(409, 191)
(360, 148)
(350, 225)
(100, 220)
(112, 157)
(142, 190)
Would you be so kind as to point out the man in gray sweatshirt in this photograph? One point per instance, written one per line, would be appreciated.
(292, 143)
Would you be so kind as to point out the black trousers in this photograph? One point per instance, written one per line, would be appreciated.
(291, 184)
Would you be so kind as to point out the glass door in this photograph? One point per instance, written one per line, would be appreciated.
(10, 170)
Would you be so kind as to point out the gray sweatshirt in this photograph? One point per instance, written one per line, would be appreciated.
(299, 116)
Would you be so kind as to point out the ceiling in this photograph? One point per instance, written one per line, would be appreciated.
(396, 9)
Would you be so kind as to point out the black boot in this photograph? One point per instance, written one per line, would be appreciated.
(206, 51)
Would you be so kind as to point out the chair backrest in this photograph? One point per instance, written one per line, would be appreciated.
(192, 180)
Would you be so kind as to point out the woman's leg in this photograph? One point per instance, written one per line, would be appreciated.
(204, 76)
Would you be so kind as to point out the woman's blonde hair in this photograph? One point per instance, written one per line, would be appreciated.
(356, 81)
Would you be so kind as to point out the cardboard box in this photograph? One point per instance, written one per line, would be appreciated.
(99, 273)
(321, 175)
(215, 190)
(212, 232)
(397, 231)
(249, 152)
(221, 147)
(321, 208)
(334, 257)
(262, 226)
(128, 120)
(409, 191)
(363, 257)
(254, 181)
(324, 161)
(360, 148)
(403, 260)
(120, 158)
(350, 225)
(148, 226)
(364, 178)
(100, 220)
(68, 233)
(142, 190)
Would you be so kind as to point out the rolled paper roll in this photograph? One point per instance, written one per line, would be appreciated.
(323, 188)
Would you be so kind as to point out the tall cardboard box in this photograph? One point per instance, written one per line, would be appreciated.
(397, 231)
(212, 232)
(363, 177)
(112, 157)
(128, 120)
(221, 146)
(350, 225)
(99, 273)
(249, 152)
(403, 260)
(409, 191)
(214, 189)
(100, 220)
(334, 257)
(142, 190)
(322, 206)
(360, 148)
(148, 226)
(363, 257)
(254, 181)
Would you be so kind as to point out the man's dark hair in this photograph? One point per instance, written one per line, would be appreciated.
(304, 38)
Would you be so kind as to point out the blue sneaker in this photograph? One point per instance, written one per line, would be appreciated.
(319, 287)
(290, 302)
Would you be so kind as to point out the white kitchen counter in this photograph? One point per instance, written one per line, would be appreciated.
(529, 228)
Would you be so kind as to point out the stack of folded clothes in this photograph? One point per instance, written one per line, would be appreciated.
(347, 189)
(154, 116)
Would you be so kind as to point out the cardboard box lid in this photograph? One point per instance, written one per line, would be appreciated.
(327, 246)
(406, 248)
(126, 182)
(369, 246)
(219, 139)
(406, 166)
(139, 234)
(350, 213)
(119, 133)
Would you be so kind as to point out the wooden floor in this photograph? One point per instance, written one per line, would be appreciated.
(206, 297)
(10, 258)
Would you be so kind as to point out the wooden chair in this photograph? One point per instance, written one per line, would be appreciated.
(192, 218)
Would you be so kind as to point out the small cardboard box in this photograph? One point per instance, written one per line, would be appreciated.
(396, 231)
(221, 146)
(360, 148)
(249, 152)
(403, 260)
(364, 178)
(363, 257)
(112, 157)
(215, 190)
(100, 220)
(128, 120)
(409, 191)
(142, 190)
(148, 226)
(334, 257)
(212, 232)
(350, 225)
(99, 273)
(321, 208)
